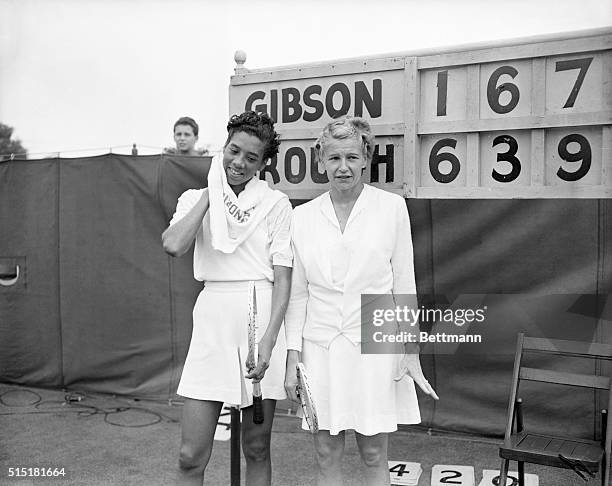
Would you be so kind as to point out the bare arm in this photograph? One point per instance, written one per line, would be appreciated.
(280, 300)
(294, 323)
(404, 290)
(178, 237)
(293, 358)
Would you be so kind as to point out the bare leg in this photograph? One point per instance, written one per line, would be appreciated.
(329, 449)
(256, 445)
(373, 451)
(198, 426)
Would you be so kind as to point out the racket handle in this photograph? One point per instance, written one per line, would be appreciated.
(258, 413)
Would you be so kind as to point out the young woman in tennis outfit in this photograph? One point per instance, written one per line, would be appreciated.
(353, 240)
(241, 229)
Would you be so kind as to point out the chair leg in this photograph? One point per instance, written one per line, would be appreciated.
(605, 461)
(521, 473)
(503, 472)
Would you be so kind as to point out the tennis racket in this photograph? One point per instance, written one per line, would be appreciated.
(258, 413)
(305, 395)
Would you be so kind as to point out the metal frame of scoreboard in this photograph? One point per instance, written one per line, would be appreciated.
(526, 118)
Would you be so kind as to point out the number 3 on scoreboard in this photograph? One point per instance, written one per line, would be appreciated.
(509, 156)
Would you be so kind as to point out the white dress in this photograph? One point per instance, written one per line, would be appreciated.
(331, 270)
(215, 364)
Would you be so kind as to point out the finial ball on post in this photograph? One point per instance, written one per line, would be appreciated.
(240, 58)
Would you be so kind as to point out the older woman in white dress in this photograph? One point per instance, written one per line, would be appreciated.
(353, 240)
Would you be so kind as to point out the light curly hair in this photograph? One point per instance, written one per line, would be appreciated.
(343, 128)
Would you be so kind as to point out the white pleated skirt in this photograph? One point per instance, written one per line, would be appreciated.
(215, 364)
(357, 392)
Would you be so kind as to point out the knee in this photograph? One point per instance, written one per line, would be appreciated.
(191, 460)
(256, 450)
(328, 455)
(373, 456)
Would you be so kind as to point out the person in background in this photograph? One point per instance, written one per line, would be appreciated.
(185, 136)
(354, 239)
(241, 229)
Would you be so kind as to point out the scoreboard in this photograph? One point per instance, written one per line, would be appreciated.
(529, 118)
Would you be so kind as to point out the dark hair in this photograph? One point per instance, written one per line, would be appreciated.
(185, 120)
(259, 125)
(347, 127)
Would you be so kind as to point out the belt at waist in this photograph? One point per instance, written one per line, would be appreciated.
(236, 285)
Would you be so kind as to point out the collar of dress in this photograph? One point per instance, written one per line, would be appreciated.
(327, 208)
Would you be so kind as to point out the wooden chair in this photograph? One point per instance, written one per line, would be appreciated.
(585, 457)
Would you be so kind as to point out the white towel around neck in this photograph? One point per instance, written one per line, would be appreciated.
(233, 218)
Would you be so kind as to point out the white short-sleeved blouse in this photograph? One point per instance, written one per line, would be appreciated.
(268, 245)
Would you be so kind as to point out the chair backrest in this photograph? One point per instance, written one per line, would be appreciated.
(571, 349)
(561, 348)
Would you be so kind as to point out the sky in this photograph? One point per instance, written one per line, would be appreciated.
(81, 76)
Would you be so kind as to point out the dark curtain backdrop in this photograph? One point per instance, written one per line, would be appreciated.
(99, 306)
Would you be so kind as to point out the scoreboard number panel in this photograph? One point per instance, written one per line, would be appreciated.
(443, 94)
(574, 83)
(536, 125)
(505, 88)
(490, 477)
(442, 475)
(529, 118)
(505, 158)
(574, 156)
(403, 473)
(445, 156)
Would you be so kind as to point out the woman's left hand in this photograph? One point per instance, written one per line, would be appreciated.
(411, 365)
(264, 347)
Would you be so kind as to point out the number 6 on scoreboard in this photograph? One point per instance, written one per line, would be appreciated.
(436, 158)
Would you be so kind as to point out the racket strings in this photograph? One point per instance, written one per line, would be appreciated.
(307, 407)
(306, 400)
(252, 337)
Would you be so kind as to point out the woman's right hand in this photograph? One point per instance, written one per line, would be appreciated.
(291, 381)
(411, 365)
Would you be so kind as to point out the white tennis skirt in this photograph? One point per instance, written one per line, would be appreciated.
(357, 392)
(215, 364)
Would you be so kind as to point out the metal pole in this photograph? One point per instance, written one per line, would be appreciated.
(235, 446)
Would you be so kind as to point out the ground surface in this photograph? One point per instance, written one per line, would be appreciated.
(138, 444)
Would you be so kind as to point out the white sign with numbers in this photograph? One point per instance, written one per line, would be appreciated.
(442, 475)
(519, 119)
(491, 478)
(404, 473)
